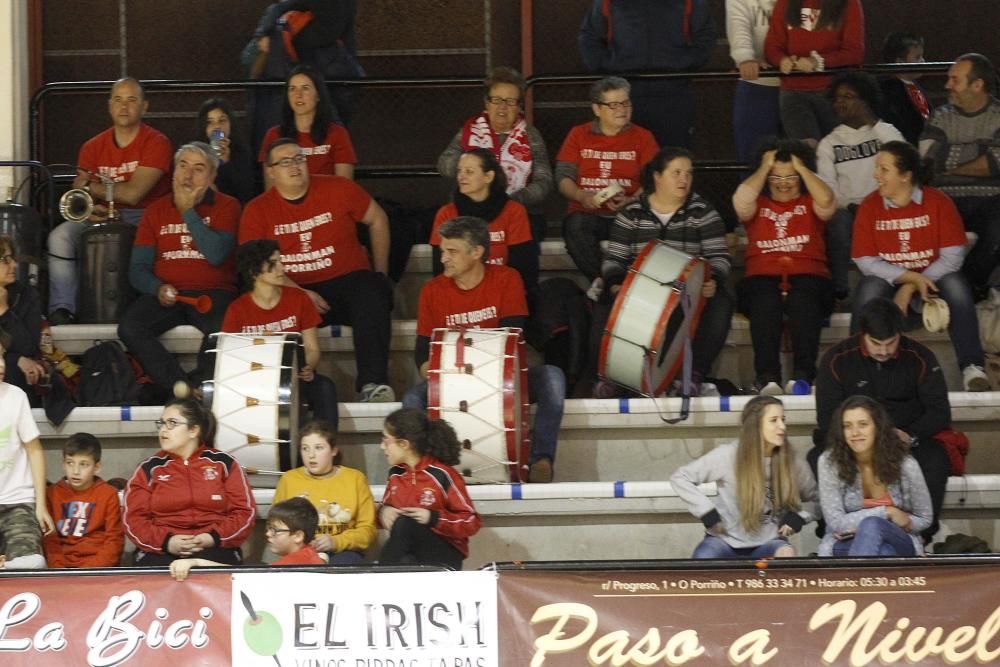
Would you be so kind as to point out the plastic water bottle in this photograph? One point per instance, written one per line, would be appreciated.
(215, 138)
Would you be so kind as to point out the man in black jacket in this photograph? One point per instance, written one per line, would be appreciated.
(901, 374)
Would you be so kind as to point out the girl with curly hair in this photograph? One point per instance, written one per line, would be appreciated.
(426, 507)
(765, 492)
(873, 495)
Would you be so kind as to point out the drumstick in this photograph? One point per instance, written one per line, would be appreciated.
(785, 262)
(202, 303)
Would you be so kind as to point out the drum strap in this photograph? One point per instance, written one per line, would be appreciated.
(686, 368)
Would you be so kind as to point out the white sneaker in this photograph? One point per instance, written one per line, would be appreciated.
(974, 378)
(377, 393)
(770, 389)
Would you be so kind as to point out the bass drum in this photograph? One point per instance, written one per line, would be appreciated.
(254, 397)
(643, 344)
(478, 382)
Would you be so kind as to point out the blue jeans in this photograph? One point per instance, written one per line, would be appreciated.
(839, 230)
(876, 537)
(963, 325)
(546, 387)
(716, 547)
(63, 246)
(756, 115)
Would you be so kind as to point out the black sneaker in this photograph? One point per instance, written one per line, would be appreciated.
(61, 316)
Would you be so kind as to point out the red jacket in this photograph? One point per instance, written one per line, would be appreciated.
(439, 488)
(88, 526)
(208, 493)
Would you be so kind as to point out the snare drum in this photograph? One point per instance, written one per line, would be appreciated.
(254, 397)
(478, 382)
(643, 343)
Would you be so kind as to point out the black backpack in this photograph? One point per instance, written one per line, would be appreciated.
(106, 377)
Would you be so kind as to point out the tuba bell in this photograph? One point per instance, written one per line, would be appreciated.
(76, 205)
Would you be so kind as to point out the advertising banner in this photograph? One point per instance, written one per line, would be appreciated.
(114, 620)
(921, 614)
(430, 619)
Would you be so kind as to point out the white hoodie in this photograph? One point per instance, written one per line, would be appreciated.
(846, 159)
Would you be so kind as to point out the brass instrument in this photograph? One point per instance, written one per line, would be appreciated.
(77, 205)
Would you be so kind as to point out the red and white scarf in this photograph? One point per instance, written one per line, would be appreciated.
(514, 155)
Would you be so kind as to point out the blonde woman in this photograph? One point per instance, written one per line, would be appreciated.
(765, 492)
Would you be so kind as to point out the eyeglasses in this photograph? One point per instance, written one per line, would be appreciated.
(507, 101)
(171, 424)
(783, 179)
(614, 106)
(289, 161)
(8, 259)
(274, 531)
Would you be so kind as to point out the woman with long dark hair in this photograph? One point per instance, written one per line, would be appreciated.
(235, 175)
(766, 493)
(874, 498)
(308, 117)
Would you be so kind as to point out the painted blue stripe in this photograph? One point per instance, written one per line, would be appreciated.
(335, 331)
(126, 413)
(619, 489)
(623, 406)
(515, 491)
(723, 403)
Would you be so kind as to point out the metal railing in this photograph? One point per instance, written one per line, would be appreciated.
(424, 171)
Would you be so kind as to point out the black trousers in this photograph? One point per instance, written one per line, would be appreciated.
(414, 543)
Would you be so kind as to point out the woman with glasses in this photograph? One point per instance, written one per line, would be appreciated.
(188, 499)
(784, 207)
(519, 148)
(20, 322)
(308, 117)
(606, 152)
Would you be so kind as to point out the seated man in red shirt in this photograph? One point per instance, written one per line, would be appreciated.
(132, 155)
(184, 246)
(313, 219)
(470, 285)
(272, 307)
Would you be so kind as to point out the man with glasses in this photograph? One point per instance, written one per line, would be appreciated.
(658, 36)
(313, 220)
(184, 247)
(133, 155)
(519, 148)
(607, 152)
(963, 140)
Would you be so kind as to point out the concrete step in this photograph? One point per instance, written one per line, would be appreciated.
(734, 363)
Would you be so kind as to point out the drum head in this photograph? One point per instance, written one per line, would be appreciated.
(643, 343)
(478, 382)
(254, 397)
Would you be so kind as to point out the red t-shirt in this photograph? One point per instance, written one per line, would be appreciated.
(178, 261)
(789, 229)
(602, 160)
(509, 228)
(304, 556)
(910, 237)
(500, 294)
(294, 313)
(149, 149)
(840, 47)
(320, 159)
(317, 236)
